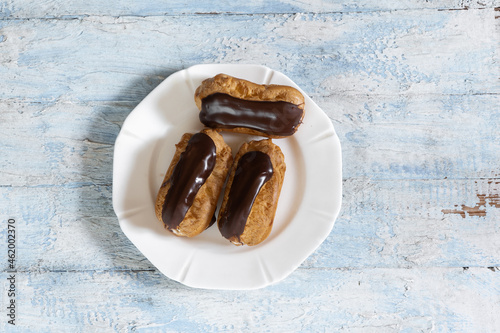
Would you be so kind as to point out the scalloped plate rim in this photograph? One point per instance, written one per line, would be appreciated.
(266, 276)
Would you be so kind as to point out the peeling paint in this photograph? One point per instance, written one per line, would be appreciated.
(410, 89)
(493, 200)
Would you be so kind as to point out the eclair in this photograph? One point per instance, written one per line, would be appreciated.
(188, 196)
(252, 192)
(237, 105)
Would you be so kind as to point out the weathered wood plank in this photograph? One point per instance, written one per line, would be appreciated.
(385, 137)
(62, 144)
(411, 87)
(417, 136)
(408, 224)
(398, 128)
(382, 224)
(75, 228)
(57, 8)
(120, 59)
(365, 300)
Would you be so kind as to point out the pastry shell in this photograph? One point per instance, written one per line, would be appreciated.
(260, 220)
(199, 215)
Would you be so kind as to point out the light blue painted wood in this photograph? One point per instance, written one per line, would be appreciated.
(370, 300)
(383, 224)
(411, 88)
(122, 59)
(388, 138)
(79, 8)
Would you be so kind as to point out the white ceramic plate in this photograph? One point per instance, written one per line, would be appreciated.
(309, 203)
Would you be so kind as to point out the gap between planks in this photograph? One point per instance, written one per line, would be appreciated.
(341, 269)
(313, 96)
(70, 17)
(82, 185)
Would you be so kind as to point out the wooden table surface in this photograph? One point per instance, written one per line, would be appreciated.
(411, 87)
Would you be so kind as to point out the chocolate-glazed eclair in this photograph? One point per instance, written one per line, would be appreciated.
(238, 105)
(252, 191)
(188, 196)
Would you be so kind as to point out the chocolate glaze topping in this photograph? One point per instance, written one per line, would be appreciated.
(274, 118)
(253, 171)
(192, 170)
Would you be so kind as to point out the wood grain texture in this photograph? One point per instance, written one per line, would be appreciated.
(412, 90)
(67, 10)
(122, 59)
(383, 224)
(313, 300)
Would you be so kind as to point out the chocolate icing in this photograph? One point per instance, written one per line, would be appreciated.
(253, 171)
(274, 118)
(192, 170)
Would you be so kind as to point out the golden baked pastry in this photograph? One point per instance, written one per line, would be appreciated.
(252, 192)
(237, 105)
(188, 196)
